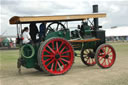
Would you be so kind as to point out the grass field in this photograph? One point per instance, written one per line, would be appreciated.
(78, 75)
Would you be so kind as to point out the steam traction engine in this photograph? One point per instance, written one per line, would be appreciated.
(55, 53)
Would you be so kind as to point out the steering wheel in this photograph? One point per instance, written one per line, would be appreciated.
(54, 27)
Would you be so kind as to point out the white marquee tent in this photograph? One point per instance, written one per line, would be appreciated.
(119, 31)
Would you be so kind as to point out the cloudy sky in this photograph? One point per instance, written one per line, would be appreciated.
(117, 11)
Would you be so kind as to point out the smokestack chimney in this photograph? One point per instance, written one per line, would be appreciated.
(96, 22)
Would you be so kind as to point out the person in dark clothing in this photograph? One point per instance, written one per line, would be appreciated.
(33, 31)
(42, 31)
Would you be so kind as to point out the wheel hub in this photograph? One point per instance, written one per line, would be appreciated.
(101, 51)
(91, 54)
(57, 56)
(106, 56)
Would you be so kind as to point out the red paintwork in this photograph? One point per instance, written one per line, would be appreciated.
(90, 61)
(106, 62)
(60, 65)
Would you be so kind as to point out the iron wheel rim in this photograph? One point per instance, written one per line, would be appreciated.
(105, 56)
(50, 63)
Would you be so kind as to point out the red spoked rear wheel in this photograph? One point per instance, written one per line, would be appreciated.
(56, 56)
(105, 56)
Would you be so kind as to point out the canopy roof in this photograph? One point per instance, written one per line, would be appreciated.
(29, 19)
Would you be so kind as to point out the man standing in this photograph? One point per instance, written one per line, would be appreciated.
(42, 31)
(33, 32)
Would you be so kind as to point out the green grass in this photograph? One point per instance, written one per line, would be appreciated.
(120, 48)
(117, 75)
(8, 56)
(12, 55)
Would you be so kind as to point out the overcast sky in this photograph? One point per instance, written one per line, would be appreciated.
(117, 11)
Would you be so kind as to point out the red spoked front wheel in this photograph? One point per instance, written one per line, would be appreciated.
(56, 56)
(105, 56)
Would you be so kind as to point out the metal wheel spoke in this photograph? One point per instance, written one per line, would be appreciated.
(65, 60)
(85, 56)
(103, 62)
(61, 45)
(103, 51)
(88, 60)
(57, 26)
(47, 60)
(57, 47)
(48, 52)
(105, 48)
(51, 49)
(50, 62)
(55, 65)
(109, 61)
(53, 45)
(48, 55)
(110, 55)
(64, 56)
(59, 66)
(85, 53)
(101, 58)
(62, 62)
(62, 49)
(50, 27)
(91, 50)
(66, 52)
(52, 67)
(109, 52)
(94, 61)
